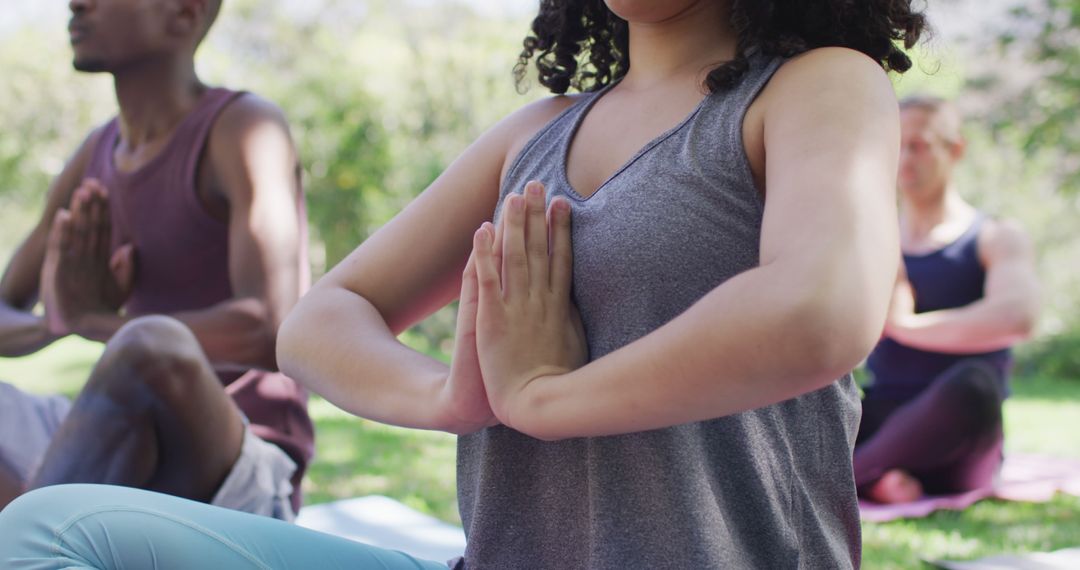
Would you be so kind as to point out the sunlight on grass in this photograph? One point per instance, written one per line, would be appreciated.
(62, 367)
(985, 529)
(357, 457)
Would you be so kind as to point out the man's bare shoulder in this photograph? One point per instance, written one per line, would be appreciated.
(1001, 238)
(244, 115)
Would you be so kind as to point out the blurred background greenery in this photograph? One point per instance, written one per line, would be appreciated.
(383, 94)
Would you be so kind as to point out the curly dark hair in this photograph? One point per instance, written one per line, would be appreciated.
(582, 44)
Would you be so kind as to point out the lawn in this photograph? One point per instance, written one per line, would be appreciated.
(357, 457)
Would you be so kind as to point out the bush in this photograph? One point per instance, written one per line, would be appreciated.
(1055, 356)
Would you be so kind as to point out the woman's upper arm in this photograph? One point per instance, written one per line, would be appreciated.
(412, 265)
(831, 137)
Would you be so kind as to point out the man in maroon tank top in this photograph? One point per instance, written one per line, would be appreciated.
(967, 291)
(177, 235)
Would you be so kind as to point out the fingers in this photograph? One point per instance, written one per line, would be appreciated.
(96, 243)
(60, 232)
(487, 271)
(468, 285)
(102, 220)
(536, 235)
(91, 230)
(515, 259)
(499, 249)
(562, 256)
(122, 266)
(80, 221)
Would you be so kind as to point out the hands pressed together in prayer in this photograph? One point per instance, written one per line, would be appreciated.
(516, 322)
(81, 276)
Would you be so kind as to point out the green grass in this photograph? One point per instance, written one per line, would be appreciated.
(357, 457)
(1039, 418)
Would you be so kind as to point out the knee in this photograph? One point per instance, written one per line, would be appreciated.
(978, 386)
(62, 526)
(975, 380)
(28, 524)
(154, 353)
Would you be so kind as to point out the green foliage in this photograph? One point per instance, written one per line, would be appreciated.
(46, 111)
(381, 96)
(1044, 38)
(1056, 356)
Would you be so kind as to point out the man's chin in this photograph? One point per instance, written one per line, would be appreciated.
(89, 65)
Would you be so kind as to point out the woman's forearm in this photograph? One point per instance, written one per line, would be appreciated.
(749, 343)
(337, 344)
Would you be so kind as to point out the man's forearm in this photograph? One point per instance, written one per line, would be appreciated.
(22, 332)
(979, 327)
(235, 335)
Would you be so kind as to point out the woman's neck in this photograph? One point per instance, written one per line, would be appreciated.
(685, 45)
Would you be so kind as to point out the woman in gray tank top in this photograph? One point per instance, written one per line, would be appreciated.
(654, 338)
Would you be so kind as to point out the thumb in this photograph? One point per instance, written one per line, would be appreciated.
(122, 265)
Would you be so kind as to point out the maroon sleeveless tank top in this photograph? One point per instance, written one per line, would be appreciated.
(183, 262)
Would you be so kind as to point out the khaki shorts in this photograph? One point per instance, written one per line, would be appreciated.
(259, 482)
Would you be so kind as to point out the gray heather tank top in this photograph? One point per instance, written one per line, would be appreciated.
(770, 488)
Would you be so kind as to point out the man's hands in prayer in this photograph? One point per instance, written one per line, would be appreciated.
(81, 276)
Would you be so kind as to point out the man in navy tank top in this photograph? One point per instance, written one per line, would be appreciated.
(176, 234)
(965, 294)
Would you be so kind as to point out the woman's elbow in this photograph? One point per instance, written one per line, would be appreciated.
(289, 342)
(837, 336)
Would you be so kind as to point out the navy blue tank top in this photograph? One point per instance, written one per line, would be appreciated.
(950, 277)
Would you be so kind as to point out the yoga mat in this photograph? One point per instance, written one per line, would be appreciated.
(1024, 477)
(1067, 559)
(384, 522)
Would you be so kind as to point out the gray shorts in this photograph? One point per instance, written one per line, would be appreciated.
(258, 483)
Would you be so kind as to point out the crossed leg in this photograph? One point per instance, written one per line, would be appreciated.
(152, 415)
(946, 440)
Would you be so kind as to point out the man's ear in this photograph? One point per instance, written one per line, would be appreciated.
(958, 149)
(187, 17)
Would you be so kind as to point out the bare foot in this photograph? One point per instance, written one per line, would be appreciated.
(896, 486)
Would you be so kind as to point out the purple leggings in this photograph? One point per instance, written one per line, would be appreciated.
(949, 437)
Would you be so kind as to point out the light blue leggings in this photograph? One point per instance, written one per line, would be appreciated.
(105, 527)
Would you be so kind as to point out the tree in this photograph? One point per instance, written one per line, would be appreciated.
(1042, 44)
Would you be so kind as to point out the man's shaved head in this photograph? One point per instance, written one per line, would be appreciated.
(947, 120)
(108, 35)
